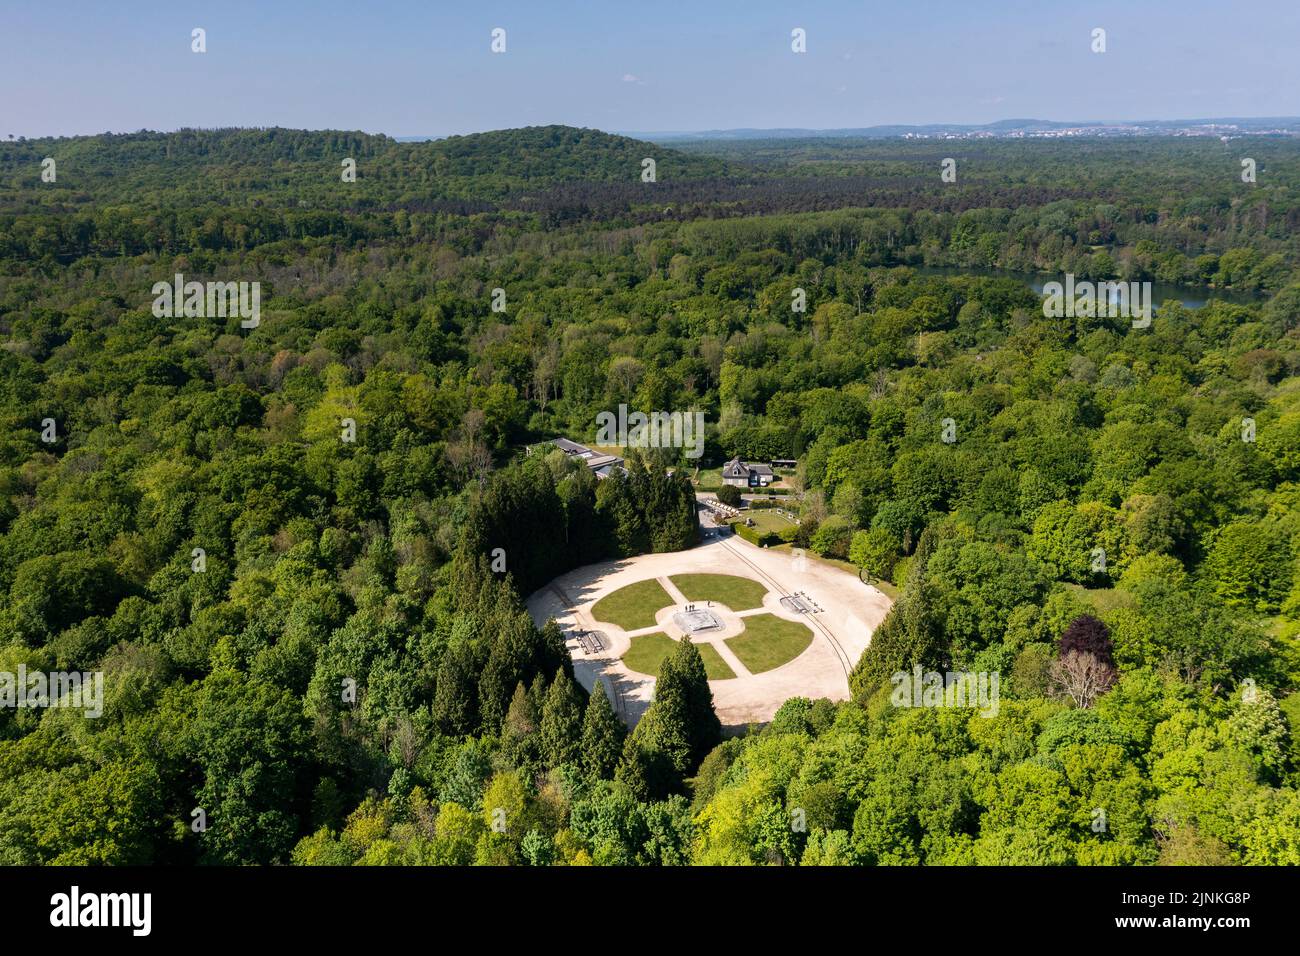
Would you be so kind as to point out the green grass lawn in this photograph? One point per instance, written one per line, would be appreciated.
(648, 651)
(710, 479)
(769, 641)
(765, 520)
(634, 606)
(1104, 600)
(737, 593)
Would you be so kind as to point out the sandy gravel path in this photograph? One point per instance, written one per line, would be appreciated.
(850, 611)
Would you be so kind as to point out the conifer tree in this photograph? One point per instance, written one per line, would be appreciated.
(602, 735)
(519, 738)
(681, 727)
(688, 678)
(455, 700)
(631, 774)
(521, 719)
(561, 727)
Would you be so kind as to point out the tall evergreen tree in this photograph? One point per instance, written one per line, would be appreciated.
(704, 730)
(519, 740)
(681, 727)
(537, 694)
(455, 699)
(554, 652)
(602, 735)
(632, 773)
(561, 726)
(514, 658)
(521, 719)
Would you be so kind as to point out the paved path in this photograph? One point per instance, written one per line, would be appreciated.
(850, 613)
(727, 654)
(673, 591)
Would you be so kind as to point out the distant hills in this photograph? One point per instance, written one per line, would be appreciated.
(556, 153)
(564, 173)
(304, 165)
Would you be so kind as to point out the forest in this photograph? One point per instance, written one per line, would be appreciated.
(316, 649)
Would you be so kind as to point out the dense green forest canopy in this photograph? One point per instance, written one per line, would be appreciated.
(349, 679)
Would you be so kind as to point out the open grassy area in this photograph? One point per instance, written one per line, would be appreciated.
(769, 641)
(714, 665)
(737, 593)
(1103, 600)
(648, 651)
(632, 607)
(765, 520)
(709, 479)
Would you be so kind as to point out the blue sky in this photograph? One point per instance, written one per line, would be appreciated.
(425, 68)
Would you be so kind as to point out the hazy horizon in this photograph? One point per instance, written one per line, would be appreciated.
(679, 67)
(413, 137)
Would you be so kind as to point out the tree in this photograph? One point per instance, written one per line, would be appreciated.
(633, 773)
(832, 537)
(514, 659)
(1258, 727)
(103, 820)
(519, 740)
(1084, 544)
(1087, 635)
(680, 727)
(1181, 844)
(602, 735)
(456, 833)
(875, 551)
(1251, 565)
(561, 727)
(537, 849)
(455, 703)
(506, 806)
(684, 670)
(1082, 677)
(248, 741)
(51, 592)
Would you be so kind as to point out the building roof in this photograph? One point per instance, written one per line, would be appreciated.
(741, 469)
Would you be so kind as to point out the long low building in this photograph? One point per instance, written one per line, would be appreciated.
(601, 465)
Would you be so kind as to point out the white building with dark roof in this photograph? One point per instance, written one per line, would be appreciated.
(746, 474)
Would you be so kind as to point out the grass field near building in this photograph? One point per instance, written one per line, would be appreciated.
(766, 520)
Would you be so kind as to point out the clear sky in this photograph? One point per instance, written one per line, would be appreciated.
(425, 68)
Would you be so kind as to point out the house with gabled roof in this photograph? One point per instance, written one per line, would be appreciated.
(746, 474)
